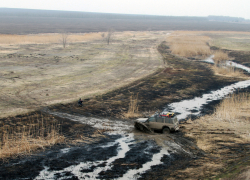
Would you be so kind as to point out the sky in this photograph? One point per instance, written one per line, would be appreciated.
(234, 8)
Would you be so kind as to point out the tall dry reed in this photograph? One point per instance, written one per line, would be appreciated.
(232, 114)
(234, 107)
(23, 139)
(221, 68)
(228, 71)
(220, 57)
(133, 108)
(189, 45)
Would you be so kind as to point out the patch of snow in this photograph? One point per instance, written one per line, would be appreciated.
(76, 169)
(233, 64)
(135, 173)
(194, 106)
(65, 150)
(186, 107)
(209, 59)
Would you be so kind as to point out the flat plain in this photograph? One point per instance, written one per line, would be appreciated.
(37, 71)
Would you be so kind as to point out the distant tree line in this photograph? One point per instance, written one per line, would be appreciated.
(227, 19)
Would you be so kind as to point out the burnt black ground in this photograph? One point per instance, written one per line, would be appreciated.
(54, 159)
(139, 154)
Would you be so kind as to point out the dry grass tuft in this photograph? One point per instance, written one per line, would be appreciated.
(23, 139)
(203, 143)
(221, 68)
(232, 113)
(133, 108)
(234, 107)
(189, 45)
(228, 71)
(220, 57)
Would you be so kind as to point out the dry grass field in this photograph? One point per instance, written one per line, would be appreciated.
(232, 40)
(232, 113)
(220, 135)
(9, 39)
(35, 70)
(196, 44)
(192, 43)
(187, 45)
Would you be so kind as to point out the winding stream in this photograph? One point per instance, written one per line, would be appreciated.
(129, 158)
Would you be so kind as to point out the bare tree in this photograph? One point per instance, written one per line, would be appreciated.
(110, 33)
(64, 39)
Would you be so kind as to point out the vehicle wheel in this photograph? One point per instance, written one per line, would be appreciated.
(141, 128)
(165, 130)
(136, 127)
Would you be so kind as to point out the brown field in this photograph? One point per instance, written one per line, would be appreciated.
(231, 40)
(37, 71)
(7, 39)
(196, 44)
(33, 22)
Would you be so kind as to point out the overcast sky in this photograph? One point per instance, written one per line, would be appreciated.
(235, 8)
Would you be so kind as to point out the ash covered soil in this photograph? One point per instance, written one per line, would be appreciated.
(114, 152)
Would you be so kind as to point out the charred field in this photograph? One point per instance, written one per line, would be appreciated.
(181, 79)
